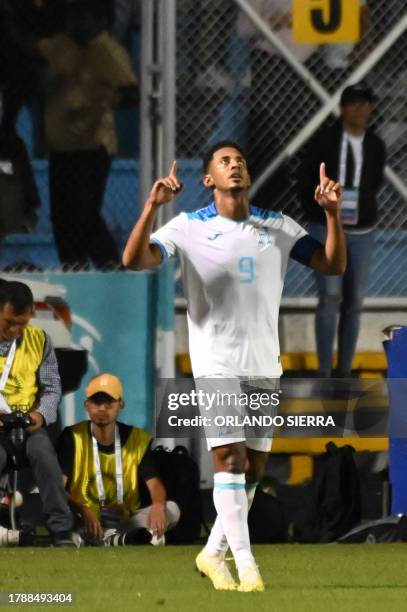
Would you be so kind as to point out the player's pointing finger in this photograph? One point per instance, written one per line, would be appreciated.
(174, 169)
(322, 175)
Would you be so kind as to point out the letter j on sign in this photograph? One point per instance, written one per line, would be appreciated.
(326, 21)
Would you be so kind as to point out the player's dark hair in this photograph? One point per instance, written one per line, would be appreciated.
(221, 144)
(17, 294)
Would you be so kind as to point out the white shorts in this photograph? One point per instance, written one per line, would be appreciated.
(238, 410)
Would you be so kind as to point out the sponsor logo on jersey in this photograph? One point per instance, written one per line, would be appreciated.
(214, 236)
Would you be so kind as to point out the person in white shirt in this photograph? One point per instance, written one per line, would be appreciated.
(234, 257)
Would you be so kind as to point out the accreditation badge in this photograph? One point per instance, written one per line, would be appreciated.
(350, 207)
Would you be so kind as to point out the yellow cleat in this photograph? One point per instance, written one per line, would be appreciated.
(250, 580)
(216, 569)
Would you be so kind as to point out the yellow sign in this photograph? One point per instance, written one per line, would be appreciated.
(326, 21)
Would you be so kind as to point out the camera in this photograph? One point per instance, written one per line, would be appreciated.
(15, 424)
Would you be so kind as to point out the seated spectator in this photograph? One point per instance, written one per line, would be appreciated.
(104, 463)
(30, 383)
(90, 76)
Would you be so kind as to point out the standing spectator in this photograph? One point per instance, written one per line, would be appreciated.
(355, 156)
(90, 75)
(19, 198)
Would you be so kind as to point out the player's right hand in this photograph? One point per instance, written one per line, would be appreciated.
(165, 189)
(93, 528)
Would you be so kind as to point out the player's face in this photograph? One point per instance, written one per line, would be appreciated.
(12, 324)
(357, 114)
(228, 171)
(103, 409)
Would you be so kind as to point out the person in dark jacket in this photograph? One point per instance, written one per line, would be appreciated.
(355, 156)
(19, 199)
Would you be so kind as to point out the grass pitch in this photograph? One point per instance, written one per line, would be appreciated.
(299, 578)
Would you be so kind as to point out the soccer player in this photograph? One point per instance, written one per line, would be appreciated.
(234, 257)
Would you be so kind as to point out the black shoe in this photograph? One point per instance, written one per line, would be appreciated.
(63, 539)
(114, 537)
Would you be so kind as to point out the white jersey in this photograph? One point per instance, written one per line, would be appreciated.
(233, 274)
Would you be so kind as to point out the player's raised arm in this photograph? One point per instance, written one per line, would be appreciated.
(330, 259)
(139, 253)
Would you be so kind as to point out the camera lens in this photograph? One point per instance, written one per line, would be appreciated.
(17, 436)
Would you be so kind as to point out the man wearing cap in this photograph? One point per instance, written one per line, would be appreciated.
(104, 463)
(355, 156)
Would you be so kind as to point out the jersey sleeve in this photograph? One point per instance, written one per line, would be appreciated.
(170, 237)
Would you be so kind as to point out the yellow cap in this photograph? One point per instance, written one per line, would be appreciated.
(105, 383)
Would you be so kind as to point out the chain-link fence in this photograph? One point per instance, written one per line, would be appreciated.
(233, 83)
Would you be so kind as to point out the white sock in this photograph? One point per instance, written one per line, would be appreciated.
(217, 543)
(230, 501)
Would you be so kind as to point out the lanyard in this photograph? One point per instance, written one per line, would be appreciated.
(119, 468)
(4, 377)
(343, 160)
(9, 363)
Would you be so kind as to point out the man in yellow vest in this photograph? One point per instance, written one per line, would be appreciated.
(104, 463)
(29, 382)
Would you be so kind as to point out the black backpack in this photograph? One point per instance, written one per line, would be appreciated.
(382, 531)
(334, 506)
(180, 476)
(267, 520)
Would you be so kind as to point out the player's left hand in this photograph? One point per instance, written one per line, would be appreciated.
(156, 519)
(328, 194)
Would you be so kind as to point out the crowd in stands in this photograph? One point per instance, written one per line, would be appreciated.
(62, 59)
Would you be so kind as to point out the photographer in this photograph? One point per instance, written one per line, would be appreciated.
(29, 383)
(106, 465)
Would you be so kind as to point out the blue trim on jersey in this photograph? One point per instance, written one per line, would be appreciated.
(161, 247)
(229, 485)
(265, 214)
(204, 214)
(304, 249)
(251, 485)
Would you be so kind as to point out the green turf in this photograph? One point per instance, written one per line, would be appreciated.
(299, 578)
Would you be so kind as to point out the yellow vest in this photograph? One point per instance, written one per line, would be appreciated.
(82, 484)
(21, 387)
